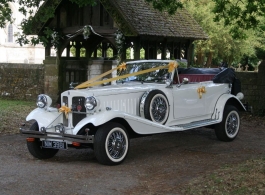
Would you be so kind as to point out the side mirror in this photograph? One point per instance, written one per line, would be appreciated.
(71, 85)
(185, 80)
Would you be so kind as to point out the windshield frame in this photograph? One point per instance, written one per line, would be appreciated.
(149, 77)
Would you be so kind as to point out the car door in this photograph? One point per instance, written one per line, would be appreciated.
(188, 103)
(213, 92)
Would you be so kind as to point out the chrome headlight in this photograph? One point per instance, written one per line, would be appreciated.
(91, 103)
(43, 101)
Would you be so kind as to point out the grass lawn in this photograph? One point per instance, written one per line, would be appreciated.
(13, 113)
(241, 179)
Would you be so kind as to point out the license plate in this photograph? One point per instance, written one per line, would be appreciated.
(54, 144)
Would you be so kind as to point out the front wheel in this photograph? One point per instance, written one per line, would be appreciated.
(35, 147)
(228, 129)
(111, 144)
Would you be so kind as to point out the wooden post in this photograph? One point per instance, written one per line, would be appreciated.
(136, 50)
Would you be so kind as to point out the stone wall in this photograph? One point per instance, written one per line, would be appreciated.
(21, 81)
(253, 88)
(249, 86)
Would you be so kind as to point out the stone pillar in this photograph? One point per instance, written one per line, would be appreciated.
(51, 79)
(108, 65)
(97, 67)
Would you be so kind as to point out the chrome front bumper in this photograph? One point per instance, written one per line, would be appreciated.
(58, 136)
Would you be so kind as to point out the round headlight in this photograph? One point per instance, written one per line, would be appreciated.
(43, 101)
(90, 103)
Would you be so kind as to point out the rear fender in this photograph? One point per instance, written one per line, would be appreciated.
(222, 102)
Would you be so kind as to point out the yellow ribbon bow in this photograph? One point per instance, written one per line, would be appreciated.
(200, 91)
(66, 110)
(122, 66)
(172, 65)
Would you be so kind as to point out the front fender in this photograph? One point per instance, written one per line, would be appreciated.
(45, 117)
(98, 119)
(138, 124)
(220, 105)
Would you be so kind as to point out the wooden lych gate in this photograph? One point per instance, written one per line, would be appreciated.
(146, 34)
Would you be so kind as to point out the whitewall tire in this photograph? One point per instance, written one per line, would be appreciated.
(111, 144)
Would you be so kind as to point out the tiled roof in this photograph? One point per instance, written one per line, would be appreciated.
(141, 18)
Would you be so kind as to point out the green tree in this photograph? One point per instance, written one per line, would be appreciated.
(241, 14)
(221, 45)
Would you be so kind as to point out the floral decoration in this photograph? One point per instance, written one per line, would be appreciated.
(86, 32)
(66, 110)
(122, 66)
(172, 65)
(200, 91)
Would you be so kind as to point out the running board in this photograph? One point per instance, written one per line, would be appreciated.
(196, 124)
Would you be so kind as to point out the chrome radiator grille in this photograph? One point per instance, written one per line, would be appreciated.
(65, 102)
(78, 109)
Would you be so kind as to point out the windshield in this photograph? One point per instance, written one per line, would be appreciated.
(158, 76)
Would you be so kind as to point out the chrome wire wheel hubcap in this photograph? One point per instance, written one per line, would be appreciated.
(232, 124)
(116, 145)
(159, 109)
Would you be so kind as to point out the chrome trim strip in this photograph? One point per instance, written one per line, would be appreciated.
(197, 124)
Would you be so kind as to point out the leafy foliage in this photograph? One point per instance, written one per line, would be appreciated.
(119, 39)
(242, 14)
(5, 13)
(170, 6)
(221, 45)
(82, 3)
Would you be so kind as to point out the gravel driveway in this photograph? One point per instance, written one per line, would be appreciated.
(158, 164)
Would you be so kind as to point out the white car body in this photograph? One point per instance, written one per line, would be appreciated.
(124, 103)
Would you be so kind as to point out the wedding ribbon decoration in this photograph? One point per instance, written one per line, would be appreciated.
(92, 82)
(65, 110)
(200, 91)
(172, 65)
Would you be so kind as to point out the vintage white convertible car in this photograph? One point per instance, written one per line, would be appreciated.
(146, 97)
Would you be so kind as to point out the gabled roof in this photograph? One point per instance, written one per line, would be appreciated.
(140, 18)
(38, 22)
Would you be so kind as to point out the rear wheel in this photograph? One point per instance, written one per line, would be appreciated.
(111, 144)
(228, 129)
(35, 147)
